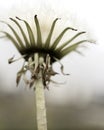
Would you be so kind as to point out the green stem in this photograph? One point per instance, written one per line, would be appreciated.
(40, 104)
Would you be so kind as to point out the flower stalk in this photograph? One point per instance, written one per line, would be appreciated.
(40, 96)
(40, 104)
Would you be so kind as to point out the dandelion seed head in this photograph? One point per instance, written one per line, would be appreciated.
(51, 47)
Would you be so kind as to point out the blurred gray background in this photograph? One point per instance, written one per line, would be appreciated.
(76, 105)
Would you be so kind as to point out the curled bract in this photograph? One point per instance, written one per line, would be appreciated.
(38, 55)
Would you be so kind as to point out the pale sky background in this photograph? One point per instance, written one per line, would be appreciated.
(87, 73)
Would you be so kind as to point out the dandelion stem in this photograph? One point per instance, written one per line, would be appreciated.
(40, 104)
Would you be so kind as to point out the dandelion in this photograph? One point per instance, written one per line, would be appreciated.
(39, 57)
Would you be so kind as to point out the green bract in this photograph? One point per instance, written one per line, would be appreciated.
(31, 45)
(39, 55)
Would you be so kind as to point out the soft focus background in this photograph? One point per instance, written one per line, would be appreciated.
(79, 103)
